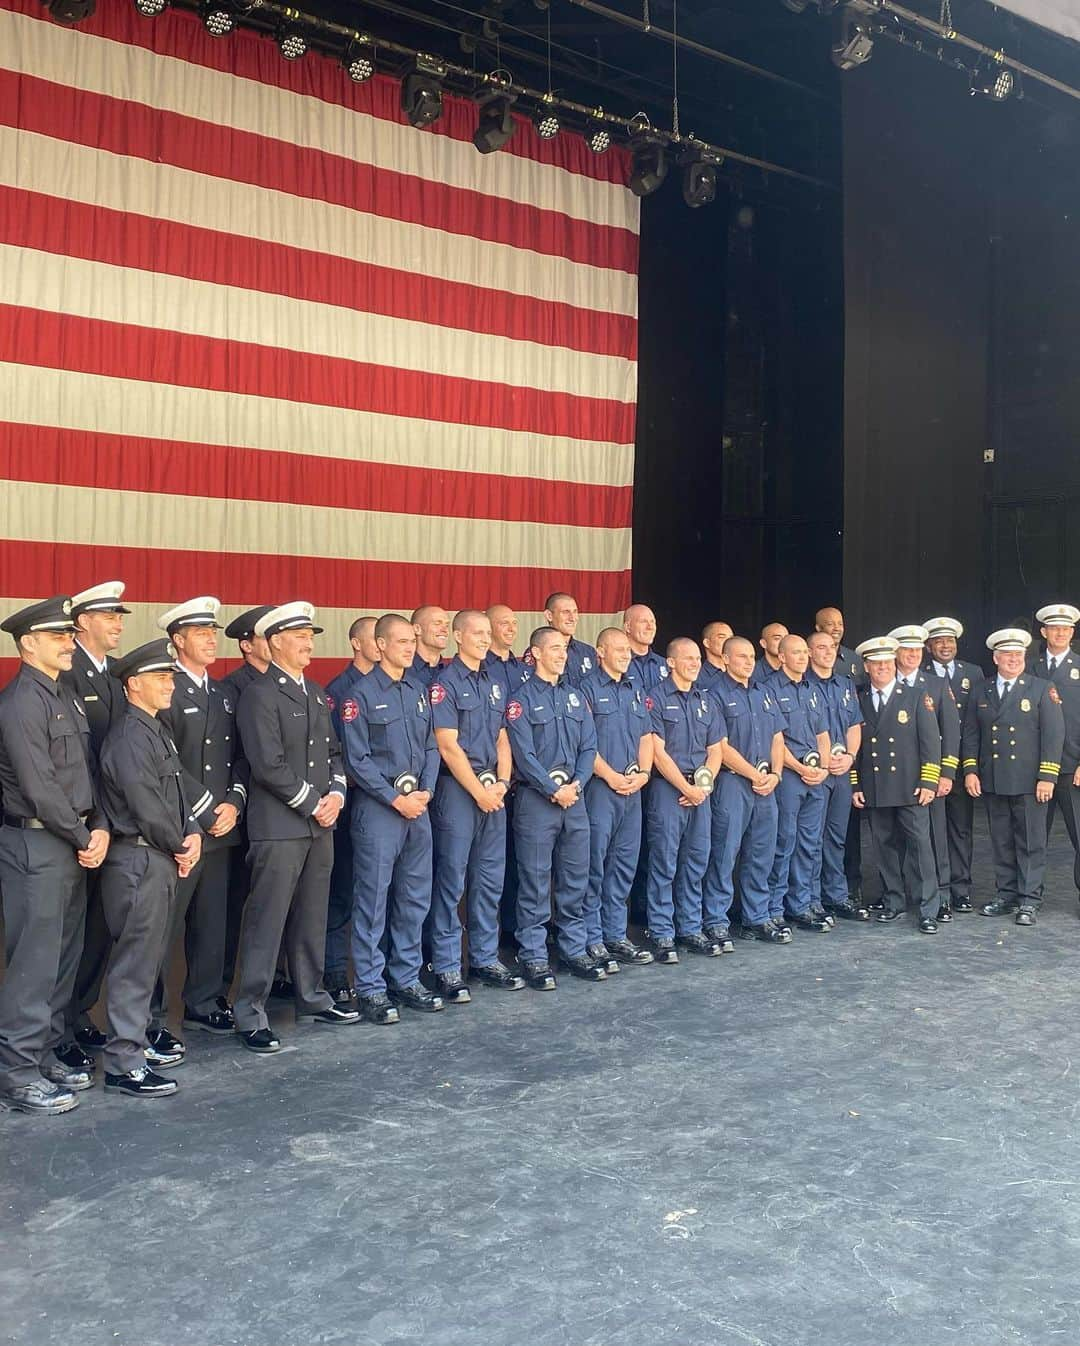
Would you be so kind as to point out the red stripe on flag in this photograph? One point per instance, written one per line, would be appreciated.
(246, 579)
(132, 129)
(179, 34)
(171, 467)
(99, 234)
(121, 351)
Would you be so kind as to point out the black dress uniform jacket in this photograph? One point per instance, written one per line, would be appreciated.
(948, 719)
(293, 755)
(1011, 745)
(240, 679)
(1066, 678)
(100, 694)
(141, 787)
(965, 678)
(203, 727)
(901, 748)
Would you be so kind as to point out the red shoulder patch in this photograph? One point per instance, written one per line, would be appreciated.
(527, 658)
(329, 701)
(436, 693)
(928, 701)
(349, 711)
(513, 710)
(649, 703)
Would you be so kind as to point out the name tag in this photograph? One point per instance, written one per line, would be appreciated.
(191, 710)
(93, 696)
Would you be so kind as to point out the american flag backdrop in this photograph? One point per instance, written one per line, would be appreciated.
(260, 338)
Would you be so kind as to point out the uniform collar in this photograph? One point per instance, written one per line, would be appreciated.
(101, 667)
(42, 679)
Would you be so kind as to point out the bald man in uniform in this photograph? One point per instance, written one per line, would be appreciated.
(501, 662)
(432, 627)
(848, 663)
(712, 644)
(769, 663)
(561, 613)
(647, 668)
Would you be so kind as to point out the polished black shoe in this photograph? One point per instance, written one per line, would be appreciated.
(91, 1039)
(664, 952)
(781, 924)
(415, 997)
(698, 943)
(878, 904)
(334, 1015)
(962, 904)
(721, 936)
(848, 911)
(344, 997)
(56, 1072)
(928, 925)
(281, 989)
(584, 968)
(806, 920)
(42, 1097)
(377, 1009)
(539, 976)
(885, 916)
(217, 1021)
(495, 974)
(1025, 916)
(451, 988)
(75, 1058)
(1001, 906)
(141, 1083)
(944, 913)
(626, 951)
(162, 1049)
(767, 932)
(600, 953)
(261, 1040)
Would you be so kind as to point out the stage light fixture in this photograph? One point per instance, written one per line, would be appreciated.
(359, 59)
(992, 79)
(422, 90)
(700, 169)
(218, 19)
(597, 136)
(496, 123)
(150, 9)
(648, 163)
(853, 44)
(291, 42)
(546, 122)
(71, 12)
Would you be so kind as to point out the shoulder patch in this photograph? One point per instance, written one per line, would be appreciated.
(1055, 695)
(331, 703)
(513, 710)
(349, 710)
(436, 693)
(928, 701)
(649, 703)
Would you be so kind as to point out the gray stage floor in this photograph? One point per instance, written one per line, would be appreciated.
(866, 1137)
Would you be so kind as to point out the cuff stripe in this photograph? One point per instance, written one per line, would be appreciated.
(300, 796)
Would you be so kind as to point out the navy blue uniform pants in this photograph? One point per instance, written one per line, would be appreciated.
(1018, 841)
(678, 839)
(831, 882)
(743, 843)
(391, 891)
(552, 849)
(614, 845)
(470, 861)
(800, 826)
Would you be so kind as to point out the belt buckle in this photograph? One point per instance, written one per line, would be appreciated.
(839, 749)
(764, 767)
(703, 779)
(486, 777)
(560, 776)
(812, 759)
(406, 783)
(631, 769)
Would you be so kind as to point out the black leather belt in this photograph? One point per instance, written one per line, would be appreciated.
(13, 820)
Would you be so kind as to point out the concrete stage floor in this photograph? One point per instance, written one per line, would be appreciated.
(866, 1137)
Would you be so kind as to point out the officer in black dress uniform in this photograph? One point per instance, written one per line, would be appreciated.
(53, 834)
(1061, 665)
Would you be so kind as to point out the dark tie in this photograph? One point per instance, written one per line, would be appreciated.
(1005, 690)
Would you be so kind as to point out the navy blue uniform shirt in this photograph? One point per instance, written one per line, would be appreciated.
(803, 709)
(619, 714)
(688, 722)
(387, 731)
(752, 716)
(473, 704)
(550, 727)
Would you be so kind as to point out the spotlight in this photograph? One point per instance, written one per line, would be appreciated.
(359, 59)
(699, 168)
(291, 42)
(648, 163)
(992, 79)
(71, 12)
(852, 45)
(422, 90)
(217, 19)
(597, 136)
(496, 124)
(150, 9)
(546, 122)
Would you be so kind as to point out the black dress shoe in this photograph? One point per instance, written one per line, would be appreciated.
(848, 911)
(766, 932)
(415, 997)
(217, 1021)
(140, 1083)
(164, 1043)
(344, 997)
(600, 953)
(962, 904)
(664, 952)
(626, 951)
(1001, 906)
(928, 925)
(76, 1080)
(1025, 916)
(495, 974)
(377, 1009)
(262, 1040)
(281, 989)
(878, 904)
(584, 968)
(452, 988)
(886, 916)
(945, 913)
(90, 1039)
(806, 920)
(781, 924)
(42, 1098)
(539, 976)
(334, 1015)
(699, 943)
(75, 1058)
(817, 910)
(721, 936)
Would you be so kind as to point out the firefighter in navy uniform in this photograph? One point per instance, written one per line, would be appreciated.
(910, 641)
(53, 834)
(768, 665)
(647, 668)
(296, 791)
(1061, 666)
(432, 627)
(561, 612)
(713, 663)
(98, 614)
(895, 779)
(156, 842)
(1014, 732)
(942, 634)
(202, 721)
